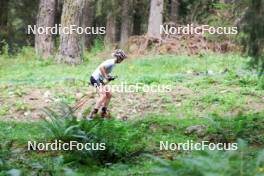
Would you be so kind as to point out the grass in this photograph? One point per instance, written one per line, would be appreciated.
(212, 90)
(152, 130)
(23, 68)
(21, 132)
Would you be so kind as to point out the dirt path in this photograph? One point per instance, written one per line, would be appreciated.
(29, 104)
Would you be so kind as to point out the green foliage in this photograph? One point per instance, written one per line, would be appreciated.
(4, 110)
(21, 106)
(246, 127)
(6, 167)
(98, 46)
(61, 125)
(195, 11)
(206, 163)
(253, 27)
(52, 166)
(216, 96)
(261, 83)
(121, 140)
(247, 80)
(20, 14)
(5, 49)
(226, 100)
(125, 142)
(5, 153)
(148, 80)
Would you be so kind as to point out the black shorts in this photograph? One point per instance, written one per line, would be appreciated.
(96, 83)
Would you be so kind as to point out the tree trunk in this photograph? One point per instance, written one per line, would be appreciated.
(174, 10)
(155, 19)
(88, 19)
(126, 21)
(137, 23)
(110, 36)
(3, 13)
(139, 16)
(70, 49)
(44, 43)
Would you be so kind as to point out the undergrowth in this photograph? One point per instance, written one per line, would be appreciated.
(122, 142)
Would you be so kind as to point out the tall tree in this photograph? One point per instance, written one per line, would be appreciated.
(111, 22)
(88, 20)
(155, 19)
(137, 18)
(174, 10)
(254, 30)
(126, 21)
(3, 12)
(3, 21)
(44, 43)
(140, 16)
(110, 36)
(70, 49)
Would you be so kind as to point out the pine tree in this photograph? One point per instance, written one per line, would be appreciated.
(155, 19)
(70, 49)
(44, 43)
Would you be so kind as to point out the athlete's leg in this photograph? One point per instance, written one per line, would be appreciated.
(102, 96)
(108, 96)
(105, 103)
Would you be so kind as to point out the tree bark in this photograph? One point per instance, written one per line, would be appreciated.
(70, 49)
(137, 17)
(44, 43)
(126, 21)
(110, 36)
(174, 10)
(155, 19)
(88, 20)
(3, 13)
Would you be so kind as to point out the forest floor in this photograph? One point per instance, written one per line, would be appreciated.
(201, 88)
(196, 86)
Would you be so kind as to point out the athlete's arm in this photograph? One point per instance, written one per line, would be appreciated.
(103, 72)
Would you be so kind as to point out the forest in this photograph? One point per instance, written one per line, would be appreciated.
(132, 87)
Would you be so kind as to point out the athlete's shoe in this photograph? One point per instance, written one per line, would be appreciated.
(92, 115)
(105, 114)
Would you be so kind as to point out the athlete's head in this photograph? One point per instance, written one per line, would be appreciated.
(120, 55)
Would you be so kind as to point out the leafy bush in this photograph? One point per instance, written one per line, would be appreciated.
(6, 165)
(248, 81)
(148, 80)
(247, 127)
(4, 49)
(261, 83)
(121, 139)
(98, 46)
(62, 124)
(4, 110)
(5, 153)
(205, 163)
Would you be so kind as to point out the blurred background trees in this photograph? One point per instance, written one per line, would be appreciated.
(125, 18)
(15, 16)
(253, 28)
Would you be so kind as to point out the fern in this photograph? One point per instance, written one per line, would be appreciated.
(121, 140)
